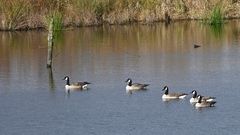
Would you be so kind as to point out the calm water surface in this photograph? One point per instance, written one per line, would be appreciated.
(33, 100)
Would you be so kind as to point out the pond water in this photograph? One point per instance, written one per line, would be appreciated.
(33, 98)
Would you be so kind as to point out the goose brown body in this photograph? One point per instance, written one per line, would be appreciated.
(76, 85)
(173, 95)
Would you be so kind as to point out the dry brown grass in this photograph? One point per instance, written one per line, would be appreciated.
(24, 14)
(14, 14)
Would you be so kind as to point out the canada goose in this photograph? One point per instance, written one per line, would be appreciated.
(77, 85)
(168, 96)
(201, 103)
(194, 98)
(135, 86)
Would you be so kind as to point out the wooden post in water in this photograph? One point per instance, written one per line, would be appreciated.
(51, 79)
(50, 44)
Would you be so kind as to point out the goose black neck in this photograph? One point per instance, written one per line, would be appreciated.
(195, 94)
(130, 83)
(200, 100)
(166, 91)
(68, 81)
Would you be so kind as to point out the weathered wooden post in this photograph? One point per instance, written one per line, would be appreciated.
(51, 80)
(50, 44)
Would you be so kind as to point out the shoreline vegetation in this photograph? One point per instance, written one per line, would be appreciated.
(32, 14)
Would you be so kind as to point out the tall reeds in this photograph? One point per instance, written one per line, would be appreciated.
(14, 14)
(24, 14)
(216, 16)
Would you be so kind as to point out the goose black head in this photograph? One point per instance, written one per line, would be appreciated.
(165, 88)
(129, 81)
(194, 92)
(199, 98)
(67, 80)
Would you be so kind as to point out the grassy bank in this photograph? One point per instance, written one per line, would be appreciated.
(31, 14)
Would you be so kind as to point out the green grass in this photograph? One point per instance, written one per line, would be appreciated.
(57, 21)
(216, 16)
